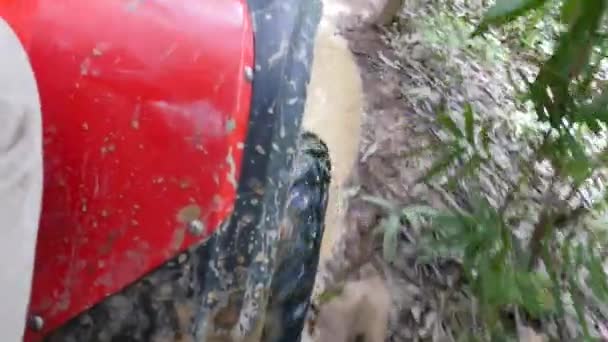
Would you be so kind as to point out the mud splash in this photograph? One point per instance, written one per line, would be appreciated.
(333, 111)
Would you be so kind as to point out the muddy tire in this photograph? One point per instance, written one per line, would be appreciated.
(300, 242)
(162, 306)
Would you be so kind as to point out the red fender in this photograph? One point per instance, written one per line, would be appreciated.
(145, 108)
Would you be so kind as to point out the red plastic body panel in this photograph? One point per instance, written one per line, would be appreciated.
(145, 108)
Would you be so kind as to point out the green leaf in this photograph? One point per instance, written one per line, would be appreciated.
(467, 170)
(485, 138)
(443, 164)
(328, 295)
(391, 237)
(415, 214)
(452, 231)
(469, 123)
(579, 258)
(579, 308)
(570, 11)
(380, 202)
(593, 125)
(535, 293)
(578, 166)
(597, 275)
(554, 283)
(448, 123)
(597, 110)
(414, 211)
(505, 11)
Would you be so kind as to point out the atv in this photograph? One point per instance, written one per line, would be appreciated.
(181, 200)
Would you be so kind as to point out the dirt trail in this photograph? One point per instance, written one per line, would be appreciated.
(335, 103)
(333, 111)
(339, 99)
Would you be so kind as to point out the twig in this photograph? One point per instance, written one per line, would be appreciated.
(447, 199)
(592, 301)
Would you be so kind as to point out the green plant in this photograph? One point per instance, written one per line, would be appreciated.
(556, 270)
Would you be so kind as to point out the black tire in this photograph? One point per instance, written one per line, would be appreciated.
(300, 247)
(154, 307)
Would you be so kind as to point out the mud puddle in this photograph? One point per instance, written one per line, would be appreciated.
(333, 111)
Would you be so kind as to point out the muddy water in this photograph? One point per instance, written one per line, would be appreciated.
(333, 111)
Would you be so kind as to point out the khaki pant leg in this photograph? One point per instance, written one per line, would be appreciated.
(20, 182)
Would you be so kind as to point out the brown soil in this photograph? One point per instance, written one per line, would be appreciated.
(367, 135)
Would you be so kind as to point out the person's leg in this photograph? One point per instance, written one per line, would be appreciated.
(20, 182)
